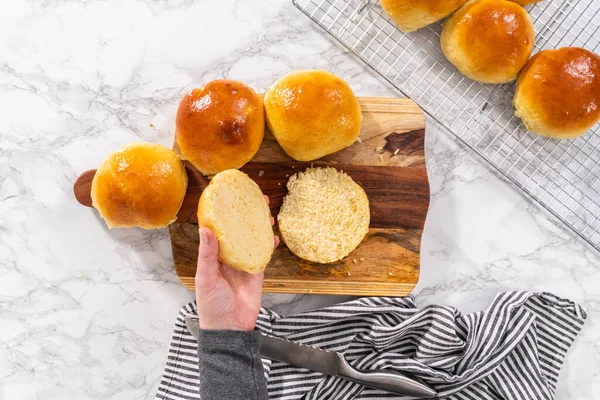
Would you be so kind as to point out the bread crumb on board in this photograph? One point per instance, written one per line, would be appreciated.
(358, 139)
(278, 183)
(390, 274)
(396, 152)
(287, 175)
(355, 261)
(381, 157)
(361, 259)
(379, 149)
(261, 173)
(348, 273)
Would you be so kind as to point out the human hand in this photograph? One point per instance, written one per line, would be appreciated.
(227, 298)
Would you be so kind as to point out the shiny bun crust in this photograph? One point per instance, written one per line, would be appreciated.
(411, 15)
(312, 114)
(558, 92)
(488, 40)
(139, 185)
(220, 126)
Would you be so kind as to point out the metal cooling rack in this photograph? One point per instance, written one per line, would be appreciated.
(562, 175)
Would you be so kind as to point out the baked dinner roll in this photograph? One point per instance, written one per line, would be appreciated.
(234, 208)
(488, 40)
(324, 216)
(220, 126)
(411, 15)
(558, 92)
(141, 184)
(312, 114)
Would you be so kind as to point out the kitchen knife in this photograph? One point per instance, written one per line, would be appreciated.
(332, 363)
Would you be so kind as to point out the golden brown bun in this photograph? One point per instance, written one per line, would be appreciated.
(488, 40)
(141, 184)
(324, 216)
(220, 126)
(411, 15)
(312, 114)
(234, 208)
(558, 92)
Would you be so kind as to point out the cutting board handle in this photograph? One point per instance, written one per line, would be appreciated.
(83, 188)
(197, 182)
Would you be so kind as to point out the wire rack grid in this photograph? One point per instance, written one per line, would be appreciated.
(562, 175)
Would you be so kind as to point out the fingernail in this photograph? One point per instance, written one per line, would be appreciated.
(203, 237)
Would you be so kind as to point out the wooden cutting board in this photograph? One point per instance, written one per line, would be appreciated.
(388, 162)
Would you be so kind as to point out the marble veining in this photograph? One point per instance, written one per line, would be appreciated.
(87, 313)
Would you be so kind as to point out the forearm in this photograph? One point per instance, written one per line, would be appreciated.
(230, 365)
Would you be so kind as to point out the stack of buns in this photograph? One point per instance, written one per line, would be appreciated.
(491, 41)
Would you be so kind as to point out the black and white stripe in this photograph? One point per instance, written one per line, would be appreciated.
(513, 350)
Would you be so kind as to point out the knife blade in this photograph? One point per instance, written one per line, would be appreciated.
(332, 363)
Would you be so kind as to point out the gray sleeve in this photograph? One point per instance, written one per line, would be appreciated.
(230, 366)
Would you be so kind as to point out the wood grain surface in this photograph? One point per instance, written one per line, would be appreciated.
(388, 162)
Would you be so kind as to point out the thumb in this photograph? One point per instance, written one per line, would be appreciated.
(207, 270)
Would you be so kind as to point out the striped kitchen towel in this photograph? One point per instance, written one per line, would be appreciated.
(513, 350)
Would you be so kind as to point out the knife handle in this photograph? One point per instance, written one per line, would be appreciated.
(385, 380)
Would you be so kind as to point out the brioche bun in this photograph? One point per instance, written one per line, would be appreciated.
(234, 208)
(139, 185)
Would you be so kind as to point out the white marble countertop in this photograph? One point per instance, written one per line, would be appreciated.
(86, 313)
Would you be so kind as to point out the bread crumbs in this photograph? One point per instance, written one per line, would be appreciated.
(261, 173)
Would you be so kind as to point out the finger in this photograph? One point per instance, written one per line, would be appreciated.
(255, 284)
(276, 241)
(238, 278)
(207, 270)
(253, 288)
(267, 199)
